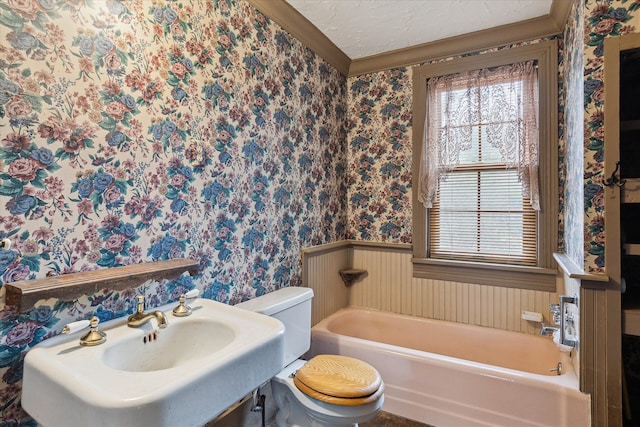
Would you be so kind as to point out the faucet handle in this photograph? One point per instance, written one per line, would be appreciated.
(74, 327)
(183, 310)
(91, 338)
(193, 293)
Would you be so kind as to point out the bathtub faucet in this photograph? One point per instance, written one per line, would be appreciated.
(547, 330)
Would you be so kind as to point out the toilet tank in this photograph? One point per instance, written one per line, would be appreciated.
(291, 306)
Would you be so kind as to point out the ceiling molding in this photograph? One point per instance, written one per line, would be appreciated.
(530, 29)
(301, 28)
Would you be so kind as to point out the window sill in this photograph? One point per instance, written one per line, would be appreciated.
(534, 278)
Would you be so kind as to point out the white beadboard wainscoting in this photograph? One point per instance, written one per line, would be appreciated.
(389, 285)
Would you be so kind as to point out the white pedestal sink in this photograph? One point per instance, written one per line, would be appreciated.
(184, 375)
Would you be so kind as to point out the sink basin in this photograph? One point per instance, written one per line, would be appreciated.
(183, 375)
(174, 346)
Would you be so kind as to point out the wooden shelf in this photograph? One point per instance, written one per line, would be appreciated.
(351, 275)
(631, 191)
(26, 293)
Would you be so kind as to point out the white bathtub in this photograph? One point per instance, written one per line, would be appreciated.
(454, 375)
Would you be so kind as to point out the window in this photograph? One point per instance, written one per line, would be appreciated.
(489, 176)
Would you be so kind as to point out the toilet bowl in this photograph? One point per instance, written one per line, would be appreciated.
(327, 391)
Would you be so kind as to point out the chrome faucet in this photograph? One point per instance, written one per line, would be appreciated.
(139, 318)
(547, 330)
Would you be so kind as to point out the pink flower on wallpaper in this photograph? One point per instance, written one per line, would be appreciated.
(115, 242)
(178, 180)
(28, 9)
(43, 233)
(605, 26)
(73, 144)
(111, 194)
(18, 108)
(85, 207)
(16, 142)
(116, 109)
(24, 169)
(179, 70)
(22, 334)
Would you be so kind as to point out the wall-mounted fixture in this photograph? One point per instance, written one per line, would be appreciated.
(565, 320)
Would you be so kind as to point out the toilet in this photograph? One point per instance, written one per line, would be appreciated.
(326, 391)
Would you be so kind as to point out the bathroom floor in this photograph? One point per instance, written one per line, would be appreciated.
(384, 419)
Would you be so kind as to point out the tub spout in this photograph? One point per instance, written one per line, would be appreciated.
(547, 330)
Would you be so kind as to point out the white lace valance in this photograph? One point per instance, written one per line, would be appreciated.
(504, 102)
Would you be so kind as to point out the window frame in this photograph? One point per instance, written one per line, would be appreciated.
(542, 277)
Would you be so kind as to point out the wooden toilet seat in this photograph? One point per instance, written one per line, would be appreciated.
(339, 380)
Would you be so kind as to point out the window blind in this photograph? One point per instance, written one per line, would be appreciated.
(481, 215)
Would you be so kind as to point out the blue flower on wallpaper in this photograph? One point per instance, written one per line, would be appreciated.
(178, 205)
(359, 142)
(281, 118)
(216, 193)
(253, 64)
(253, 239)
(225, 228)
(590, 86)
(167, 247)
(391, 170)
(258, 195)
(100, 188)
(7, 257)
(180, 178)
(260, 266)
(286, 224)
(168, 132)
(117, 139)
(282, 275)
(365, 220)
(22, 205)
(282, 41)
(253, 152)
(24, 41)
(359, 200)
(305, 93)
(28, 166)
(217, 95)
(391, 231)
(180, 286)
(308, 192)
(118, 237)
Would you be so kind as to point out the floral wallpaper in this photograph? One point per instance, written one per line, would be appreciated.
(379, 147)
(142, 130)
(603, 19)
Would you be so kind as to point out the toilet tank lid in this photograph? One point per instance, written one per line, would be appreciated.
(276, 301)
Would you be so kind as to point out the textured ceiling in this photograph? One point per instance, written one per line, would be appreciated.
(362, 28)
